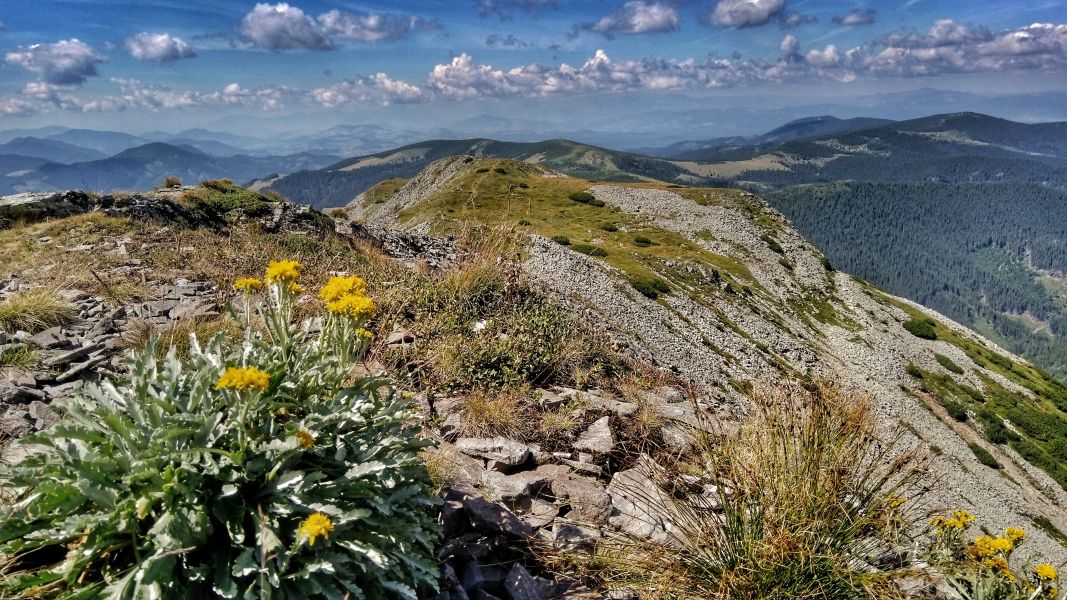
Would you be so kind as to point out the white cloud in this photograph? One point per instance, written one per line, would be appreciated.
(67, 62)
(158, 47)
(378, 89)
(283, 27)
(745, 13)
(856, 17)
(827, 57)
(371, 27)
(792, 20)
(637, 16)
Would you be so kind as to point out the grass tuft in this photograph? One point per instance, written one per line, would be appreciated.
(35, 311)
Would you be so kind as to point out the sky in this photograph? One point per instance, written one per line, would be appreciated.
(306, 65)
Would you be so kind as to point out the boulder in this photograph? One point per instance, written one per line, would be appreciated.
(597, 438)
(500, 454)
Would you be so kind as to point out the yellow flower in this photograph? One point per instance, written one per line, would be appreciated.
(315, 526)
(306, 439)
(1015, 534)
(1002, 545)
(339, 287)
(243, 378)
(942, 524)
(357, 307)
(963, 516)
(981, 547)
(248, 284)
(363, 333)
(295, 288)
(1045, 571)
(895, 501)
(286, 271)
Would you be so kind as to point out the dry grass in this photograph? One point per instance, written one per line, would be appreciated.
(35, 311)
(805, 492)
(176, 335)
(489, 415)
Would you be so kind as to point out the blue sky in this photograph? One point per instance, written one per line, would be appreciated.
(172, 64)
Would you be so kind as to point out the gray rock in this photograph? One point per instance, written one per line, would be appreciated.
(520, 585)
(568, 535)
(400, 337)
(43, 416)
(490, 517)
(520, 488)
(15, 426)
(588, 500)
(638, 506)
(65, 358)
(53, 337)
(539, 513)
(500, 454)
(597, 438)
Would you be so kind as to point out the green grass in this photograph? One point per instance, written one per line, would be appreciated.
(21, 356)
(35, 311)
(547, 205)
(219, 196)
(948, 364)
(383, 191)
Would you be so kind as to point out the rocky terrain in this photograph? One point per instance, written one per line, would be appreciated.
(775, 309)
(746, 300)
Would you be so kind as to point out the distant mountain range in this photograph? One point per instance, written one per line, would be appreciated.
(55, 163)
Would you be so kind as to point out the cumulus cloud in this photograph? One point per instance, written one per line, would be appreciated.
(856, 17)
(371, 27)
(506, 8)
(745, 13)
(283, 27)
(509, 41)
(635, 17)
(792, 20)
(377, 89)
(67, 62)
(159, 47)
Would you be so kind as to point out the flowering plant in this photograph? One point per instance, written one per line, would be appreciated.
(251, 469)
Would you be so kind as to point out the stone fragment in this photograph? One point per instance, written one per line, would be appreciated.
(597, 438)
(521, 585)
(501, 454)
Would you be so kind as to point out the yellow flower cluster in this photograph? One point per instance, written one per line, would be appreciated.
(959, 521)
(363, 333)
(283, 271)
(243, 378)
(305, 438)
(1045, 572)
(248, 284)
(985, 546)
(347, 296)
(1015, 534)
(316, 526)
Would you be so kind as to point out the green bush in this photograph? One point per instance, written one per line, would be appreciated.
(983, 456)
(251, 469)
(826, 264)
(948, 364)
(772, 244)
(650, 287)
(562, 240)
(216, 197)
(524, 185)
(482, 170)
(589, 249)
(955, 410)
(642, 242)
(501, 171)
(609, 227)
(924, 328)
(586, 198)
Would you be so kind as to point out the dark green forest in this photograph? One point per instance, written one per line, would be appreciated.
(975, 252)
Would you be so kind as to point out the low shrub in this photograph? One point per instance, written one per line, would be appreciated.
(172, 181)
(983, 456)
(524, 185)
(609, 227)
(642, 242)
(501, 171)
(35, 311)
(250, 469)
(562, 240)
(216, 197)
(649, 286)
(826, 264)
(956, 410)
(589, 250)
(948, 363)
(772, 244)
(586, 198)
(524, 222)
(482, 170)
(925, 328)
